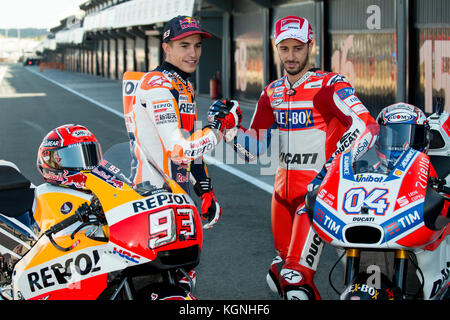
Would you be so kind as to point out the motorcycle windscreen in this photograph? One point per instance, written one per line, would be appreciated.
(394, 139)
(122, 156)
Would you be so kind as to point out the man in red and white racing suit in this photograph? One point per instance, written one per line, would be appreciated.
(318, 115)
(163, 115)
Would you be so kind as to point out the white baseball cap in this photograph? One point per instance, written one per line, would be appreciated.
(293, 27)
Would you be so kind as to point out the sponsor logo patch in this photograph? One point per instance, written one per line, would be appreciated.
(294, 118)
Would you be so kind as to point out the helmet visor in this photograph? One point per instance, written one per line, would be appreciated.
(397, 137)
(80, 156)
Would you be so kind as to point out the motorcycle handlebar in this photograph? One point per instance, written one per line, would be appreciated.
(65, 223)
(79, 215)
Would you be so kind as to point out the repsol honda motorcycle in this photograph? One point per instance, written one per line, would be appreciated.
(121, 241)
(368, 211)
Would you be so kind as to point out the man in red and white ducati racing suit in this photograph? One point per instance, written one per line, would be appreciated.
(162, 122)
(317, 115)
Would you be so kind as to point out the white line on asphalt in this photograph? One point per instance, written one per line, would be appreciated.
(101, 105)
(240, 174)
(22, 95)
(2, 73)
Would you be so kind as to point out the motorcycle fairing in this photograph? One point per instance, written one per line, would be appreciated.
(439, 151)
(95, 285)
(167, 213)
(45, 272)
(404, 221)
(403, 164)
(435, 266)
(53, 204)
(79, 274)
(163, 224)
(393, 203)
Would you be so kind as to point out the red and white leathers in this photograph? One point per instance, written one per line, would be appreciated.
(161, 120)
(317, 116)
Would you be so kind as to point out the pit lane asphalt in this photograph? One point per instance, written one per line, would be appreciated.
(236, 252)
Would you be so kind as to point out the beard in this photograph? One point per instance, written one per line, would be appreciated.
(301, 66)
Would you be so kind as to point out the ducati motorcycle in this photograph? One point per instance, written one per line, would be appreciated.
(387, 223)
(439, 152)
(119, 241)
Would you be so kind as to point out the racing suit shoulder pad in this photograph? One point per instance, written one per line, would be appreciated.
(155, 96)
(334, 78)
(319, 73)
(155, 79)
(275, 83)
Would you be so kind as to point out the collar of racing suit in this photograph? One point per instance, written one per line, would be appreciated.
(175, 71)
(301, 80)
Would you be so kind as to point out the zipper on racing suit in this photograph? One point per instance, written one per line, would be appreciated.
(290, 93)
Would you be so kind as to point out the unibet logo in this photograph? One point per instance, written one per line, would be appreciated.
(368, 178)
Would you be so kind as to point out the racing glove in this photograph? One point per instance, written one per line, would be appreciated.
(211, 210)
(225, 115)
(317, 181)
(313, 187)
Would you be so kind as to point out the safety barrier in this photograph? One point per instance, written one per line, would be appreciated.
(51, 65)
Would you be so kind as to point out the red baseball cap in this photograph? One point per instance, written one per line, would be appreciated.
(181, 27)
(293, 27)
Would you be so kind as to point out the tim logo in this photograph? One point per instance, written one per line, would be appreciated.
(345, 92)
(294, 119)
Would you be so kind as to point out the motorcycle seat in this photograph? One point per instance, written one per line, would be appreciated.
(16, 195)
(10, 178)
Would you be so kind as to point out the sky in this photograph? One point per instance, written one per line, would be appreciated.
(43, 14)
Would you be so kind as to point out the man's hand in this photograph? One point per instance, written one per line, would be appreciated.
(230, 134)
(210, 210)
(317, 181)
(227, 112)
